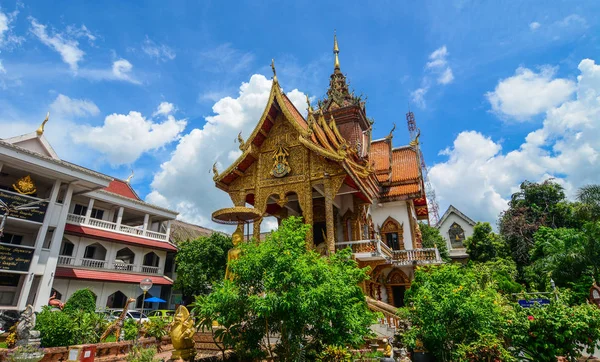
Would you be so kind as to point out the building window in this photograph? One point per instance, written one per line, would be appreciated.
(82, 210)
(9, 238)
(457, 236)
(67, 248)
(48, 239)
(392, 234)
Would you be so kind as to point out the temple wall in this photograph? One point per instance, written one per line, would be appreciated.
(399, 212)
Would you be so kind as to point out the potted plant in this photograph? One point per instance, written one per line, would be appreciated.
(26, 353)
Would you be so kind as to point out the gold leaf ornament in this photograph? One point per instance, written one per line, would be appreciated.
(25, 185)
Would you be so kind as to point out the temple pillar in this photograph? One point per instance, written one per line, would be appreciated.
(256, 229)
(306, 205)
(329, 215)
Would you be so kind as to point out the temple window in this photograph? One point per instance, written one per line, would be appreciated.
(392, 234)
(457, 236)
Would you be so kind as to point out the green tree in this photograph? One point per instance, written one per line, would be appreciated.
(533, 206)
(201, 262)
(432, 238)
(83, 300)
(280, 287)
(485, 245)
(589, 196)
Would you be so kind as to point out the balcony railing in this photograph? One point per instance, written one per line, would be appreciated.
(111, 226)
(103, 264)
(375, 248)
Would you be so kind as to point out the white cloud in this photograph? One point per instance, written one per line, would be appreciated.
(123, 138)
(185, 182)
(534, 26)
(479, 177)
(121, 70)
(438, 64)
(67, 47)
(573, 20)
(2, 69)
(418, 96)
(528, 93)
(225, 58)
(164, 108)
(64, 106)
(7, 38)
(158, 51)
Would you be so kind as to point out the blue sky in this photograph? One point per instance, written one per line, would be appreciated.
(491, 84)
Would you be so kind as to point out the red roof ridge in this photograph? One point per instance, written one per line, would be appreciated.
(123, 188)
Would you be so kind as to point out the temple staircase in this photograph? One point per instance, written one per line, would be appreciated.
(388, 323)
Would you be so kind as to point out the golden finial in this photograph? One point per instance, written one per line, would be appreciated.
(128, 180)
(40, 130)
(310, 109)
(274, 71)
(336, 51)
(241, 141)
(415, 142)
(215, 171)
(392, 131)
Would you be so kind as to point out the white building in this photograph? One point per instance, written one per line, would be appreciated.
(88, 230)
(456, 227)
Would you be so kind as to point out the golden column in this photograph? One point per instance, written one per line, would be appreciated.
(329, 214)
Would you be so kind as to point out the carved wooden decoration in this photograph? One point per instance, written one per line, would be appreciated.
(392, 233)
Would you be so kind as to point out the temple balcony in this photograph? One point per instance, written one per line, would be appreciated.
(137, 230)
(375, 249)
(90, 263)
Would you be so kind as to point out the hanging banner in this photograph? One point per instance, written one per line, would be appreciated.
(15, 258)
(13, 200)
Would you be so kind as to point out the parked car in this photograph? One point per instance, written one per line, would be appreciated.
(161, 314)
(131, 314)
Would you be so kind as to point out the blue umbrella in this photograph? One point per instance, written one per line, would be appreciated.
(155, 300)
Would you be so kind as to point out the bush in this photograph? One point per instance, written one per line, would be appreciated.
(335, 354)
(131, 329)
(156, 328)
(83, 300)
(141, 354)
(56, 328)
(88, 327)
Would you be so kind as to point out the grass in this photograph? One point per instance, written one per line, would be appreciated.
(3, 345)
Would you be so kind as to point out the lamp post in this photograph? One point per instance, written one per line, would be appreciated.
(145, 286)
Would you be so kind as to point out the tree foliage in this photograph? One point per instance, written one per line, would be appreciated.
(432, 238)
(533, 206)
(280, 287)
(83, 300)
(201, 262)
(485, 245)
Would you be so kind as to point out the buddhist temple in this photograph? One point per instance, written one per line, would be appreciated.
(355, 191)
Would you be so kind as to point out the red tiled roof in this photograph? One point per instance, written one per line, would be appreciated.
(116, 237)
(122, 188)
(405, 165)
(400, 190)
(380, 155)
(107, 276)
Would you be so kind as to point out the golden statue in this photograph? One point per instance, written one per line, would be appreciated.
(25, 185)
(234, 253)
(182, 335)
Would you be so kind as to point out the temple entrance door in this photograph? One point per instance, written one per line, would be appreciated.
(398, 293)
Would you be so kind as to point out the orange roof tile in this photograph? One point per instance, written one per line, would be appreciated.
(400, 190)
(380, 155)
(121, 188)
(295, 113)
(405, 165)
(107, 276)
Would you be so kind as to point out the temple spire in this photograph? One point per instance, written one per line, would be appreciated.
(336, 52)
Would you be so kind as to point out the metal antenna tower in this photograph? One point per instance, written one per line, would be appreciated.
(432, 205)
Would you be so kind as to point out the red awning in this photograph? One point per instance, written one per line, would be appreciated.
(107, 276)
(116, 237)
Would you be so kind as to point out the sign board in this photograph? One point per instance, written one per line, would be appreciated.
(531, 303)
(13, 200)
(15, 258)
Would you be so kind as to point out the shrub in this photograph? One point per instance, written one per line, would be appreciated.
(56, 328)
(156, 328)
(335, 354)
(131, 329)
(83, 300)
(141, 354)
(88, 327)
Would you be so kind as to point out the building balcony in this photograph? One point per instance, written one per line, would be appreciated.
(114, 227)
(64, 260)
(375, 249)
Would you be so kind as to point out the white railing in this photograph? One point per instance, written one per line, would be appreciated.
(66, 260)
(75, 219)
(111, 226)
(155, 235)
(123, 266)
(93, 263)
(378, 248)
(417, 256)
(102, 224)
(131, 230)
(149, 269)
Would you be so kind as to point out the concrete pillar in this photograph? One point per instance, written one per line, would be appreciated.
(48, 277)
(39, 242)
(119, 218)
(168, 229)
(88, 213)
(146, 219)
